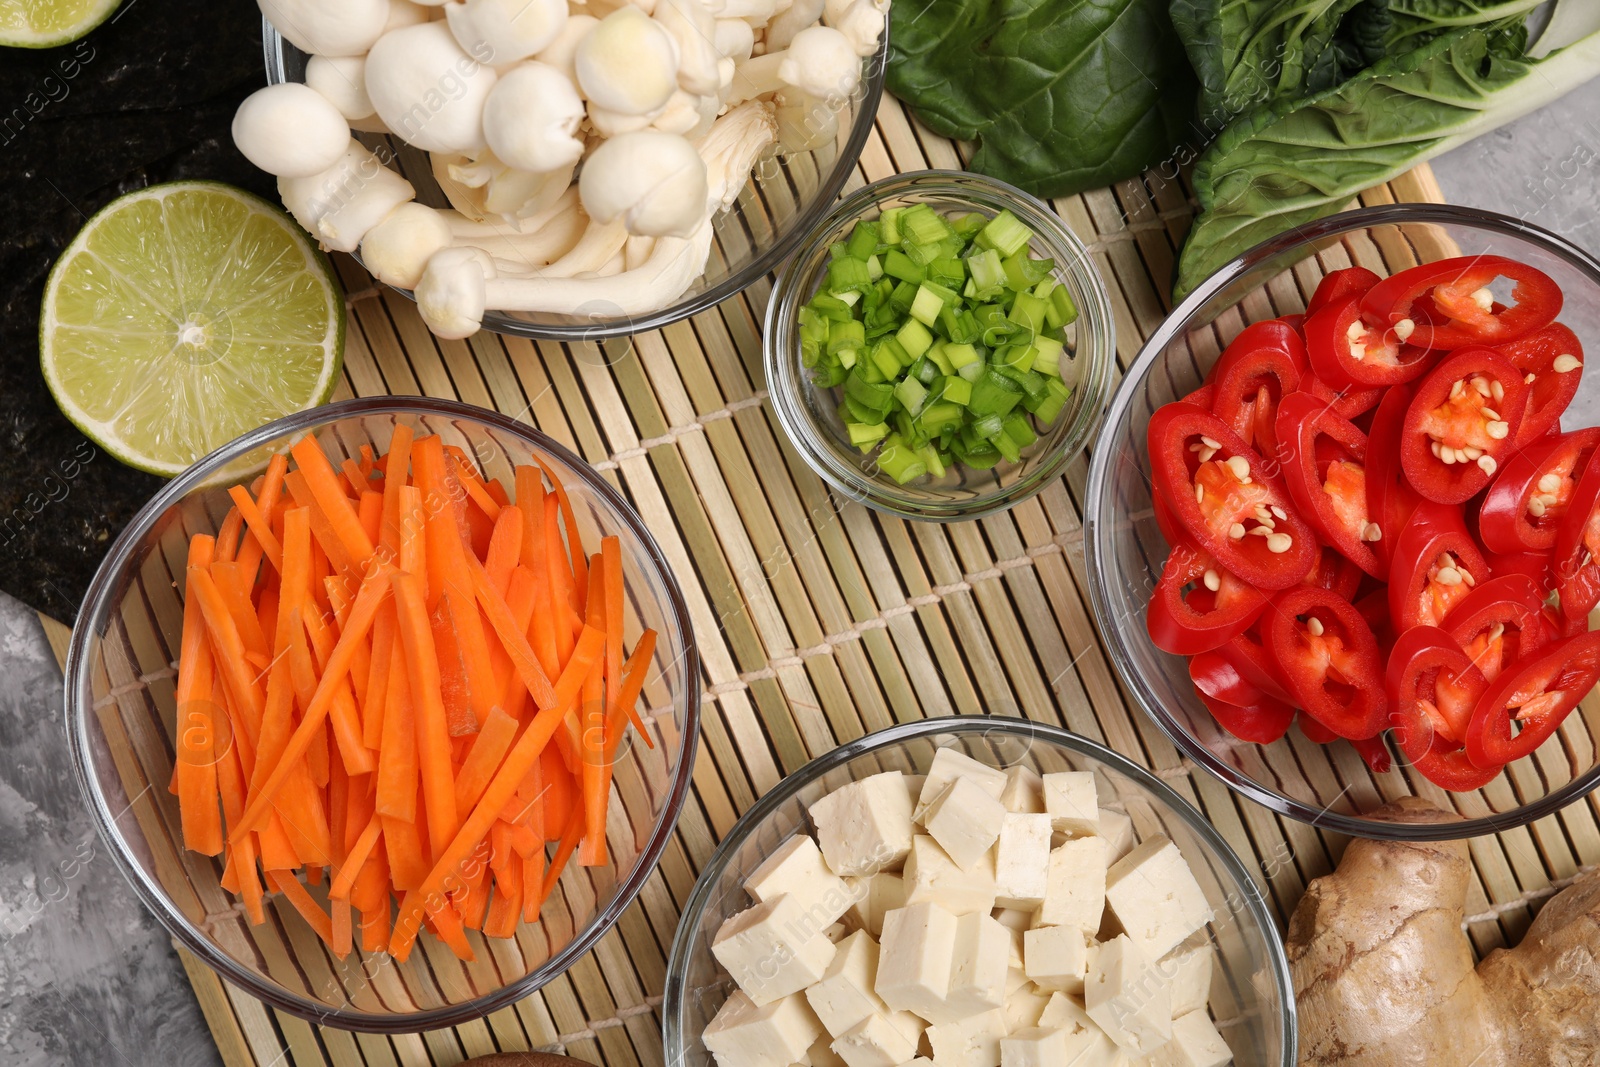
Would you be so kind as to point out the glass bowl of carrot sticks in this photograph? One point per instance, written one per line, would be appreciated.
(387, 711)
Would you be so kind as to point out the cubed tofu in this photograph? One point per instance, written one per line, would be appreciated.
(1092, 1048)
(919, 942)
(1024, 791)
(931, 875)
(950, 764)
(1195, 1043)
(1155, 898)
(965, 821)
(879, 893)
(1024, 1007)
(1056, 958)
(875, 1042)
(745, 1034)
(844, 995)
(836, 933)
(1034, 1047)
(1117, 828)
(1188, 972)
(821, 1054)
(864, 827)
(1075, 888)
(970, 1042)
(797, 869)
(1128, 998)
(1022, 860)
(1066, 1013)
(771, 950)
(1072, 802)
(978, 970)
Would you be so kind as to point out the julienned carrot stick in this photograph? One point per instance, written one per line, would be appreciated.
(620, 713)
(259, 526)
(394, 480)
(309, 909)
(594, 781)
(433, 735)
(228, 647)
(558, 863)
(374, 702)
(505, 549)
(336, 506)
(228, 535)
(355, 478)
(322, 534)
(355, 859)
(489, 748)
(511, 637)
(196, 772)
(611, 567)
(373, 590)
(397, 751)
(560, 570)
(476, 490)
(225, 573)
(343, 714)
(580, 570)
(369, 511)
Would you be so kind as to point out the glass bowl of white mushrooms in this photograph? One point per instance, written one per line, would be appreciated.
(564, 172)
(976, 891)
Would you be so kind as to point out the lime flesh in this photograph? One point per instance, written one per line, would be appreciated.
(48, 23)
(184, 315)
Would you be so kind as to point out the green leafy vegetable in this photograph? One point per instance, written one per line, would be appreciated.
(1292, 164)
(1062, 95)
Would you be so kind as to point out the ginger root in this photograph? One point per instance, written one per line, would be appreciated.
(1383, 972)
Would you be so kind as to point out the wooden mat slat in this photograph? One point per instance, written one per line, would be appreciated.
(817, 620)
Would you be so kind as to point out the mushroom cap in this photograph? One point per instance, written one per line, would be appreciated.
(531, 118)
(450, 294)
(343, 80)
(654, 182)
(562, 52)
(821, 61)
(505, 31)
(290, 130)
(406, 13)
(397, 249)
(345, 28)
(427, 89)
(628, 63)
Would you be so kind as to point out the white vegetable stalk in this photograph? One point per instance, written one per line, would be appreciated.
(339, 205)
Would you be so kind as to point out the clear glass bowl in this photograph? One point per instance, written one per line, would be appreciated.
(809, 414)
(119, 705)
(1328, 786)
(1251, 995)
(786, 195)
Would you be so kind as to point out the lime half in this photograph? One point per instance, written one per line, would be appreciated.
(184, 315)
(47, 23)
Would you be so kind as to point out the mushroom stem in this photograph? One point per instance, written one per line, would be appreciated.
(599, 243)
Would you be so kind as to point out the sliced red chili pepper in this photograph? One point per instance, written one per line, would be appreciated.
(1296, 322)
(1226, 499)
(1329, 657)
(1352, 401)
(1535, 566)
(1201, 397)
(1257, 370)
(1198, 604)
(1259, 724)
(1436, 564)
(1529, 496)
(1344, 349)
(1250, 657)
(1374, 607)
(1529, 700)
(1374, 753)
(1328, 484)
(1334, 572)
(1433, 685)
(1501, 621)
(1390, 498)
(1575, 559)
(1461, 425)
(1340, 285)
(1315, 732)
(1555, 379)
(1459, 289)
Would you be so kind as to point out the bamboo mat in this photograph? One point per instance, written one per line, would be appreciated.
(819, 621)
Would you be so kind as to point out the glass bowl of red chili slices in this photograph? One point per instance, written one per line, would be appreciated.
(1343, 522)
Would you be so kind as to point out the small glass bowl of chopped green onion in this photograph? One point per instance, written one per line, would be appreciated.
(940, 347)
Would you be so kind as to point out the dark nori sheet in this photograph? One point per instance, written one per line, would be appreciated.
(146, 98)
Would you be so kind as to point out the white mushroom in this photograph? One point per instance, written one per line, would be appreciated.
(452, 291)
(346, 28)
(561, 53)
(628, 63)
(805, 123)
(406, 13)
(862, 21)
(529, 244)
(694, 31)
(756, 12)
(506, 31)
(688, 115)
(730, 151)
(600, 241)
(290, 130)
(343, 80)
(428, 90)
(615, 123)
(654, 182)
(637, 251)
(819, 61)
(342, 203)
(734, 39)
(531, 119)
(397, 249)
(783, 27)
(514, 193)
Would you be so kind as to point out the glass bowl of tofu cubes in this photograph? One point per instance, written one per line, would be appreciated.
(976, 891)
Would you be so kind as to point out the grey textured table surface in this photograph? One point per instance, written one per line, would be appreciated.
(87, 977)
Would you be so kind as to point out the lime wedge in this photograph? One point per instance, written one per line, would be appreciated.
(184, 315)
(47, 23)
